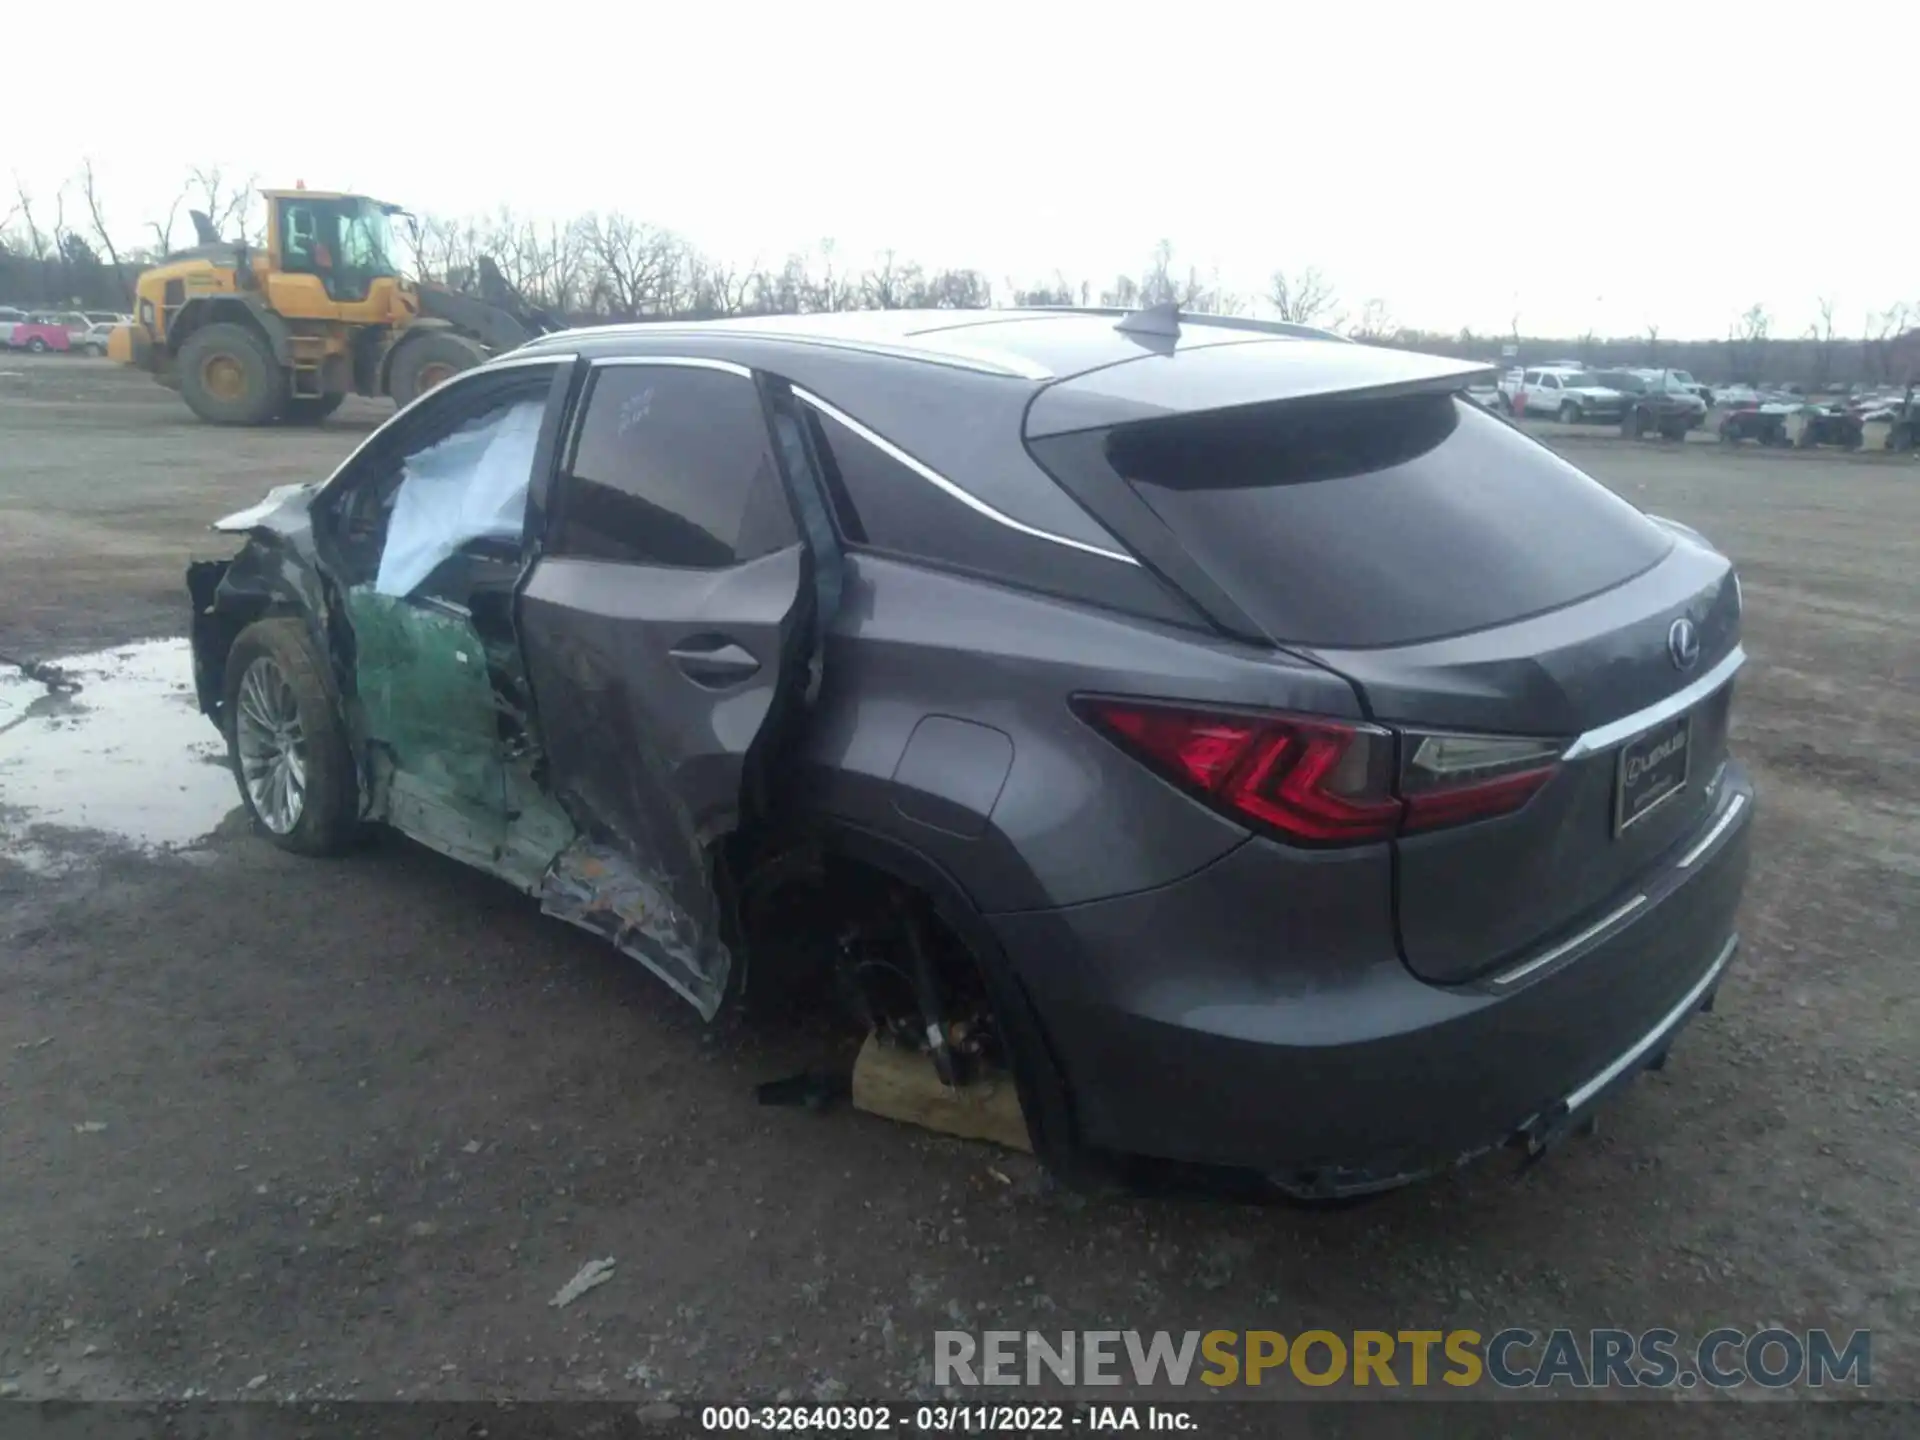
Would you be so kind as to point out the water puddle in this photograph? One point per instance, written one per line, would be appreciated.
(128, 755)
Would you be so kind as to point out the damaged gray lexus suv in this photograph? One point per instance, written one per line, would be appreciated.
(1271, 758)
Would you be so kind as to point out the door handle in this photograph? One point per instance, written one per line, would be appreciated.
(714, 662)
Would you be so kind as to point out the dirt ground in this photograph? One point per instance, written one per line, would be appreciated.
(272, 1127)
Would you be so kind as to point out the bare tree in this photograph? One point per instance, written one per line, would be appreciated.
(101, 233)
(834, 289)
(163, 230)
(1157, 284)
(1883, 327)
(889, 284)
(65, 254)
(1305, 299)
(223, 202)
(1820, 333)
(635, 265)
(36, 240)
(715, 289)
(1653, 342)
(954, 290)
(1747, 340)
(1060, 292)
(1376, 323)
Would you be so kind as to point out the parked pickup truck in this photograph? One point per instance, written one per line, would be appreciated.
(1571, 396)
(1660, 401)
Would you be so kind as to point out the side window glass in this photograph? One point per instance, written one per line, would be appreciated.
(672, 465)
(457, 490)
(1532, 377)
(296, 244)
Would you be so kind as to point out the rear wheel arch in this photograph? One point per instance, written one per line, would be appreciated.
(1045, 1097)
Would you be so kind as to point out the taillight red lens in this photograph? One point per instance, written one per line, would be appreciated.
(1318, 781)
(1327, 782)
(1483, 800)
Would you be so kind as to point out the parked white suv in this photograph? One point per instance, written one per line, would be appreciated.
(1570, 396)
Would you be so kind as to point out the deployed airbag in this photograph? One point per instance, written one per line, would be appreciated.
(470, 486)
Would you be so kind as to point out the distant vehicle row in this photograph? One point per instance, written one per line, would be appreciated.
(79, 331)
(1641, 402)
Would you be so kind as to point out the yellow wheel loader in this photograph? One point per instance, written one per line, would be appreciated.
(284, 333)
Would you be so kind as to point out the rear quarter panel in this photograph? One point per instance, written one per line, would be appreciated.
(1071, 818)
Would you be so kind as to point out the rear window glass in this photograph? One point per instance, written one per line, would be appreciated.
(1382, 522)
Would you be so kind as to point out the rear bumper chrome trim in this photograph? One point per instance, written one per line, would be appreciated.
(1734, 807)
(1627, 726)
(1547, 957)
(1659, 1032)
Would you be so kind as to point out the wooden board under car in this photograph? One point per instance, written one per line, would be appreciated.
(900, 1084)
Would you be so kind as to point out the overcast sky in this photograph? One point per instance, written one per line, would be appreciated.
(1582, 164)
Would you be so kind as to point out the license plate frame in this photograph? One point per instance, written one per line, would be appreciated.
(1641, 788)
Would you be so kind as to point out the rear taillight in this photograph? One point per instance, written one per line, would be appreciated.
(1326, 782)
(1451, 779)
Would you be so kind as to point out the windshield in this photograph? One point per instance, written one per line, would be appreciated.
(1616, 380)
(366, 240)
(1681, 377)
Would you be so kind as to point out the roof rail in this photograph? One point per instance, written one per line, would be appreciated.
(1223, 322)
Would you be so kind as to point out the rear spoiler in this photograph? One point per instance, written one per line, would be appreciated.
(1222, 377)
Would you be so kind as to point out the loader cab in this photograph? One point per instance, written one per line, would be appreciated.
(328, 249)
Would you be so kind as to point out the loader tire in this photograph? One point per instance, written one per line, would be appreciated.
(427, 360)
(310, 410)
(229, 376)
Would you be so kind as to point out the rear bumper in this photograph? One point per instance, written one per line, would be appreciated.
(1229, 1020)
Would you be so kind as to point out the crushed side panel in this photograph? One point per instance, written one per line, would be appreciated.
(603, 888)
(439, 740)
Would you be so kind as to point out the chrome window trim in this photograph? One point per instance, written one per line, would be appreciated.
(1605, 737)
(946, 486)
(512, 361)
(681, 362)
(1707, 841)
(1659, 1032)
(1547, 957)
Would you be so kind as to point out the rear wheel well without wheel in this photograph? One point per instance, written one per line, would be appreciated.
(839, 915)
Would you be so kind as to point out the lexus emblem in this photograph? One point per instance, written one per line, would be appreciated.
(1683, 644)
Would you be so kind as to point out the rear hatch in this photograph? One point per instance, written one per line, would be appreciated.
(1509, 619)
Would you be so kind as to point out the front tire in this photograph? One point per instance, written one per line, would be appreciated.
(286, 740)
(1569, 414)
(36, 346)
(229, 376)
(429, 359)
